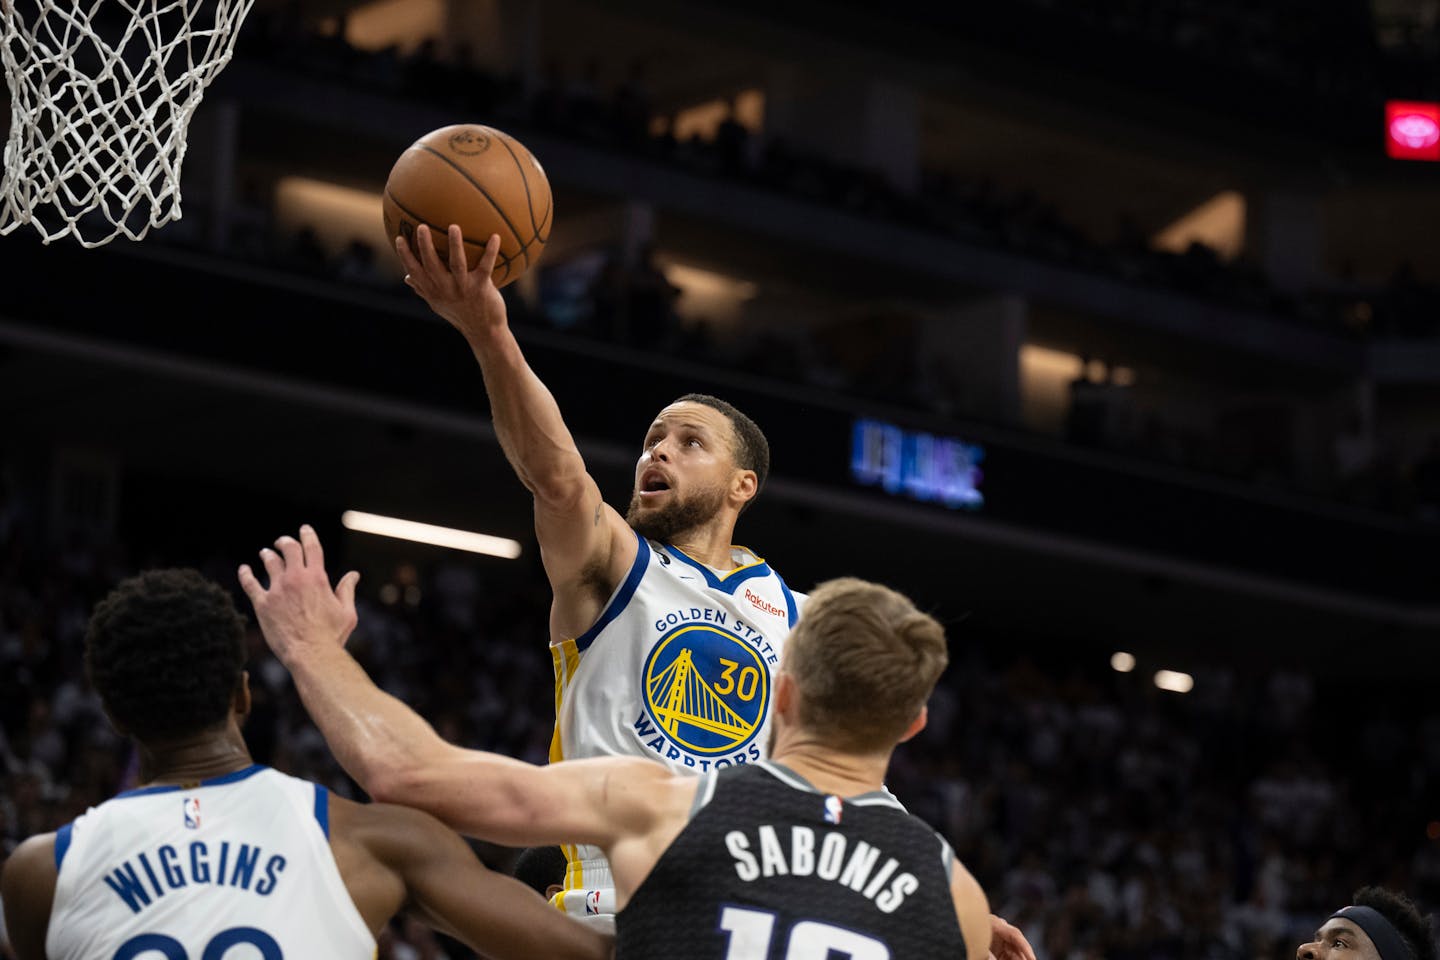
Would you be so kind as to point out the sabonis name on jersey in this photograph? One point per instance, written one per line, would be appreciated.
(760, 852)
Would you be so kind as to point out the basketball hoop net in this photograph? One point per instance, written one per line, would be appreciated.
(101, 94)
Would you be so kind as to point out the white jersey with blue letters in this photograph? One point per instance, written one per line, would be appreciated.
(677, 668)
(238, 861)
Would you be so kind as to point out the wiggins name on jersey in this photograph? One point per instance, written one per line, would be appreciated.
(241, 860)
(679, 665)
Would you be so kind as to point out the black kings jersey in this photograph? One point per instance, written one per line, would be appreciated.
(769, 868)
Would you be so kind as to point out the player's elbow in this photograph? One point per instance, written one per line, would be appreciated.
(420, 783)
(383, 787)
(558, 485)
(398, 780)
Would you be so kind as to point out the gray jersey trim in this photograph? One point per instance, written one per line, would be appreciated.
(872, 798)
(704, 793)
(947, 855)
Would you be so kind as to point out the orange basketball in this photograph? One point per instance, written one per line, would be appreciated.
(483, 180)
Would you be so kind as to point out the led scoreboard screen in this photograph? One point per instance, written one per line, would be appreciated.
(921, 466)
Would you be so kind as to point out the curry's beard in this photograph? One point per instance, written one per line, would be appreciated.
(676, 517)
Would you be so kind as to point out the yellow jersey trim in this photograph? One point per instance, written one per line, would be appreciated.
(565, 660)
(759, 562)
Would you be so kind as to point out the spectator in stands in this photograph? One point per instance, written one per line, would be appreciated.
(631, 107)
(1085, 418)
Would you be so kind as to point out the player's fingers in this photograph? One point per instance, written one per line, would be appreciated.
(274, 566)
(1011, 941)
(456, 239)
(310, 543)
(250, 584)
(407, 256)
(486, 266)
(345, 590)
(428, 256)
(291, 550)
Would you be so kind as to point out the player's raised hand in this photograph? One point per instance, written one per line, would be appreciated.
(299, 613)
(1007, 942)
(466, 297)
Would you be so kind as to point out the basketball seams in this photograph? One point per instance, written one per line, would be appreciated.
(478, 186)
(540, 237)
(529, 198)
(520, 167)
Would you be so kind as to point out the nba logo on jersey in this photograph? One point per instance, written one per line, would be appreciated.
(192, 813)
(834, 807)
(592, 903)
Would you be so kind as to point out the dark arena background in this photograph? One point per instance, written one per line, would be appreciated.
(1107, 330)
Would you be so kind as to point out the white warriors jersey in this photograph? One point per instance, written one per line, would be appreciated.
(238, 861)
(678, 668)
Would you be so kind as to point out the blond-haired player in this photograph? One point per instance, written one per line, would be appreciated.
(804, 852)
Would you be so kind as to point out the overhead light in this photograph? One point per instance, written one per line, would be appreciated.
(431, 534)
(1122, 662)
(1174, 681)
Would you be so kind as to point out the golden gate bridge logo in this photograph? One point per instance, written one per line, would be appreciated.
(706, 688)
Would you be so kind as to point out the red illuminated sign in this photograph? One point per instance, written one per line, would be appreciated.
(1412, 130)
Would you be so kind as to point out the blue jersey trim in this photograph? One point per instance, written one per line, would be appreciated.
(232, 777)
(622, 596)
(322, 809)
(730, 581)
(62, 844)
(790, 606)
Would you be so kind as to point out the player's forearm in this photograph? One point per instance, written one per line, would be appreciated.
(527, 419)
(374, 736)
(397, 757)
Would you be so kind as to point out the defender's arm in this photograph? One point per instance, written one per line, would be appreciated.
(972, 910)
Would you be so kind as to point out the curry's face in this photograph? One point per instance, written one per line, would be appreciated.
(684, 469)
(1338, 939)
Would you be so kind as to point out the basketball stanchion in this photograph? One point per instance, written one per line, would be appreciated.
(101, 95)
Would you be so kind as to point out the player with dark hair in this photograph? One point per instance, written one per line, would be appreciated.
(804, 852)
(663, 633)
(1378, 925)
(542, 869)
(215, 851)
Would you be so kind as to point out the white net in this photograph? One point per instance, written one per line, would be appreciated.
(101, 94)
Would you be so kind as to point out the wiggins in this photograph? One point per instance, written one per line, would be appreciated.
(173, 869)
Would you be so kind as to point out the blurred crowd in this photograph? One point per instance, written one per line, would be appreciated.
(1113, 820)
(618, 112)
(877, 354)
(1106, 818)
(1327, 51)
(619, 297)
